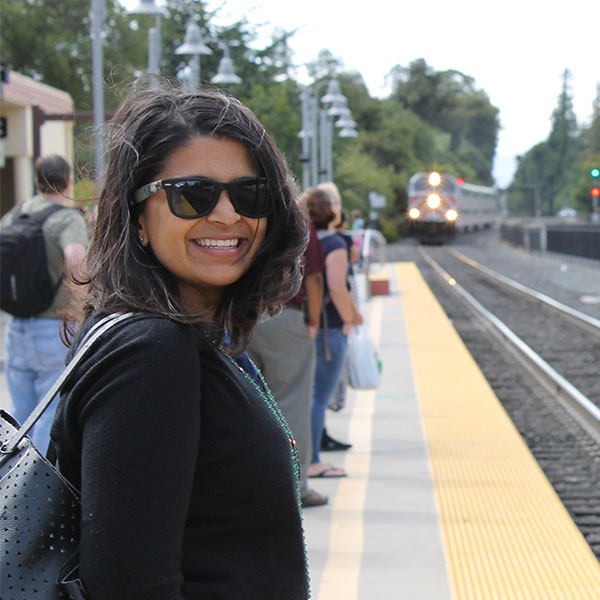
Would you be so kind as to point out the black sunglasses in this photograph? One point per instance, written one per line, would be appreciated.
(193, 197)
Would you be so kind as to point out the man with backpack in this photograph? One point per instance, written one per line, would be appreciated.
(42, 249)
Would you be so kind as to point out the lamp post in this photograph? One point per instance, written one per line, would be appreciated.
(97, 21)
(148, 7)
(195, 44)
(318, 128)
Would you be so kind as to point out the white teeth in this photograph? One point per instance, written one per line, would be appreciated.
(218, 243)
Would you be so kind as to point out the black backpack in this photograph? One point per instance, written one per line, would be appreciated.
(26, 288)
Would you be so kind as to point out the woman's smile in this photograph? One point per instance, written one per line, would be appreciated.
(226, 244)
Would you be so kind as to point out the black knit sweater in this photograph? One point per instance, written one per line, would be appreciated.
(185, 474)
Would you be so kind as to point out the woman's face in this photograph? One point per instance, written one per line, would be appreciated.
(208, 253)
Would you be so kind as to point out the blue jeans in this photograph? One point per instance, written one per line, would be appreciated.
(35, 358)
(328, 371)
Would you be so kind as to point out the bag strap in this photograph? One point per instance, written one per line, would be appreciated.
(39, 216)
(90, 338)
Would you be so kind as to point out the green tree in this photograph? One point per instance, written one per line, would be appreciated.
(588, 158)
(449, 101)
(36, 42)
(528, 178)
(49, 40)
(278, 107)
(433, 119)
(560, 151)
(592, 135)
(549, 166)
(325, 66)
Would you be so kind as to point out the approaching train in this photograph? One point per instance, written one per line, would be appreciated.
(439, 205)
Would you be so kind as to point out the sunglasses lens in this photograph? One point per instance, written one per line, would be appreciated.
(192, 199)
(251, 198)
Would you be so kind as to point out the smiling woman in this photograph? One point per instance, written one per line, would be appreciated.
(162, 427)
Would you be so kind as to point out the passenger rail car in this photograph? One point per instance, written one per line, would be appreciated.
(439, 205)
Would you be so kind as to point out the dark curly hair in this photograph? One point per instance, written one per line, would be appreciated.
(152, 122)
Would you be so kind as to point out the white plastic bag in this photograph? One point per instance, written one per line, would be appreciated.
(363, 360)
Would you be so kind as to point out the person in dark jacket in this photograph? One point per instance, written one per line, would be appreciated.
(188, 472)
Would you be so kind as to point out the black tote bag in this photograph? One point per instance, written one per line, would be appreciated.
(39, 509)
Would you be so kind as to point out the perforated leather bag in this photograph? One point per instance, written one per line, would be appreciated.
(39, 508)
(40, 521)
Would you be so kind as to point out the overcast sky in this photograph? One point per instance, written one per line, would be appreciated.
(516, 50)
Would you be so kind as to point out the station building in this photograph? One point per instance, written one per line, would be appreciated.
(35, 119)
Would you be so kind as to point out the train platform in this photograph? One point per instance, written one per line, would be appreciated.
(443, 499)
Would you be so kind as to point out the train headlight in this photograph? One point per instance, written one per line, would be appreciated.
(451, 215)
(433, 200)
(435, 179)
(414, 213)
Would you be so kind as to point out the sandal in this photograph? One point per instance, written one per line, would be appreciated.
(329, 471)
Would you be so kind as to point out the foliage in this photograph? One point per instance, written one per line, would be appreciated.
(588, 158)
(279, 110)
(530, 173)
(39, 39)
(448, 100)
(431, 120)
(84, 191)
(560, 150)
(555, 169)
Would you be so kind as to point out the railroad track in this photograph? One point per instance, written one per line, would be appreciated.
(564, 352)
(543, 364)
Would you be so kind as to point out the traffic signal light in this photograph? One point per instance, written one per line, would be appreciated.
(595, 191)
(595, 172)
(459, 180)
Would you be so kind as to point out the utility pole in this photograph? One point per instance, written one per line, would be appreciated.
(98, 11)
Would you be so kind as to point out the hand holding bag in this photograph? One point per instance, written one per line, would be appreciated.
(39, 508)
(363, 360)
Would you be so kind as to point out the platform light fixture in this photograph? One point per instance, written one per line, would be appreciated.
(195, 43)
(318, 130)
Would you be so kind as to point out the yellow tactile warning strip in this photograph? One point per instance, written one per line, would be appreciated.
(506, 533)
(346, 538)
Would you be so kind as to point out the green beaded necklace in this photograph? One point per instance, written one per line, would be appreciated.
(269, 399)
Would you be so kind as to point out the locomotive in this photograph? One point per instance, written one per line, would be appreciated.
(440, 205)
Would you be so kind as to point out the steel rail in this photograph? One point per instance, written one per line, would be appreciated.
(588, 322)
(579, 406)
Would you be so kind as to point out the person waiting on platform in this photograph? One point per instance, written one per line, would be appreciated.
(34, 346)
(188, 472)
(338, 316)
